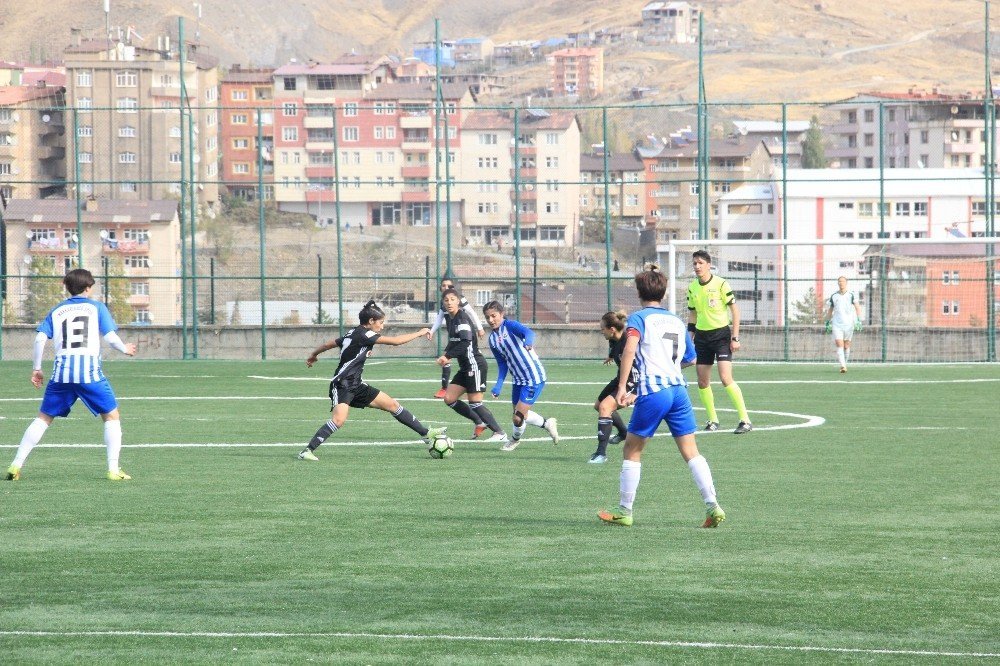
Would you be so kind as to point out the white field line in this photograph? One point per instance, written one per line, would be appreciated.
(502, 639)
(842, 381)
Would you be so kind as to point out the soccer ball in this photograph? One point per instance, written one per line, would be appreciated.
(441, 447)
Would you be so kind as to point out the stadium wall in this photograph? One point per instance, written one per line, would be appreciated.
(800, 343)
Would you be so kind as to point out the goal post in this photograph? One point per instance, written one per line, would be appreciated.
(922, 299)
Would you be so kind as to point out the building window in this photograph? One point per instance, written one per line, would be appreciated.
(379, 132)
(85, 130)
(350, 109)
(289, 133)
(128, 187)
(85, 158)
(241, 144)
(126, 79)
(869, 140)
(84, 104)
(552, 162)
(289, 109)
(85, 78)
(239, 94)
(551, 138)
(552, 233)
(351, 134)
(126, 158)
(288, 83)
(128, 105)
(487, 139)
(869, 115)
(175, 158)
(139, 288)
(241, 168)
(552, 207)
(175, 132)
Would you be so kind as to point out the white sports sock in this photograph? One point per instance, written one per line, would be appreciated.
(847, 353)
(703, 479)
(534, 418)
(841, 357)
(32, 435)
(518, 431)
(113, 440)
(629, 482)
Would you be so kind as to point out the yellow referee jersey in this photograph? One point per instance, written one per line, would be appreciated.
(711, 302)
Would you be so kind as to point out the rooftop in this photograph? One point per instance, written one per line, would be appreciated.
(107, 210)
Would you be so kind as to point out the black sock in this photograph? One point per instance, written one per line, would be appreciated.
(445, 374)
(463, 409)
(603, 434)
(616, 419)
(487, 416)
(321, 435)
(410, 421)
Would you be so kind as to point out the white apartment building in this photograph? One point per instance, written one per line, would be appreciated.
(838, 205)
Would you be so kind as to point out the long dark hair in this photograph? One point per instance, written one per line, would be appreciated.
(369, 312)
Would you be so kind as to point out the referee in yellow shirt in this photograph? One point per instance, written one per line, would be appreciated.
(711, 307)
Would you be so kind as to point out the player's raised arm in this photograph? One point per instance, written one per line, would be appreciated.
(396, 340)
(326, 346)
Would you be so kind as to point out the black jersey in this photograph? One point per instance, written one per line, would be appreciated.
(462, 344)
(355, 348)
(615, 350)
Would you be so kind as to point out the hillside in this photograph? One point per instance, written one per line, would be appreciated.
(758, 50)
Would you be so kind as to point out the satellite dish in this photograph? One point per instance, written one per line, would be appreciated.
(27, 260)
(28, 234)
(104, 234)
(46, 117)
(954, 110)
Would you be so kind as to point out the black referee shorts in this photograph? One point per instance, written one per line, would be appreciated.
(713, 345)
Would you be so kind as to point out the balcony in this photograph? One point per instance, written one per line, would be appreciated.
(165, 91)
(50, 152)
(418, 144)
(957, 148)
(421, 171)
(319, 146)
(416, 121)
(138, 300)
(416, 196)
(51, 246)
(325, 196)
(525, 195)
(526, 218)
(525, 173)
(524, 150)
(660, 194)
(125, 247)
(318, 122)
(320, 171)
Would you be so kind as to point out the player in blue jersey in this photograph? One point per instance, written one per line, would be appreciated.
(348, 390)
(76, 327)
(512, 344)
(658, 345)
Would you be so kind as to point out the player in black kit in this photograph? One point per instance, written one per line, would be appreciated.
(612, 327)
(470, 378)
(347, 390)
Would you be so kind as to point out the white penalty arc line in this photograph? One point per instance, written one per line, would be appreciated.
(841, 381)
(500, 639)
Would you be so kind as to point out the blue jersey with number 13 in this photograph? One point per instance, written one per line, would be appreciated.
(76, 327)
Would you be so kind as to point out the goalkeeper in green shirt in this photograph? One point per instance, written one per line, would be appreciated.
(714, 322)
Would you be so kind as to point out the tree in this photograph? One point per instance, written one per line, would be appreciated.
(808, 310)
(45, 289)
(813, 155)
(118, 291)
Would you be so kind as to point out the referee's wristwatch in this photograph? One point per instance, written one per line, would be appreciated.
(735, 339)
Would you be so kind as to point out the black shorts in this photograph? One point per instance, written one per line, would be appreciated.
(611, 390)
(712, 345)
(359, 395)
(472, 378)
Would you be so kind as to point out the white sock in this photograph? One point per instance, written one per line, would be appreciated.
(32, 435)
(841, 357)
(534, 418)
(629, 482)
(847, 353)
(703, 479)
(113, 440)
(518, 431)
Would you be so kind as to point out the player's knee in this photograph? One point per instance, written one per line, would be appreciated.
(518, 418)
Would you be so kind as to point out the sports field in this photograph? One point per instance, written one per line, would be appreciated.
(861, 525)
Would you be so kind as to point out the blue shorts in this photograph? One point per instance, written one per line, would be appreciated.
(97, 396)
(526, 394)
(670, 404)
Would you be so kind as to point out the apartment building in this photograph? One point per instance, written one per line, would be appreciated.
(624, 186)
(838, 205)
(676, 21)
(125, 138)
(671, 176)
(777, 138)
(478, 50)
(917, 129)
(521, 175)
(137, 239)
(246, 131)
(32, 142)
(577, 71)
